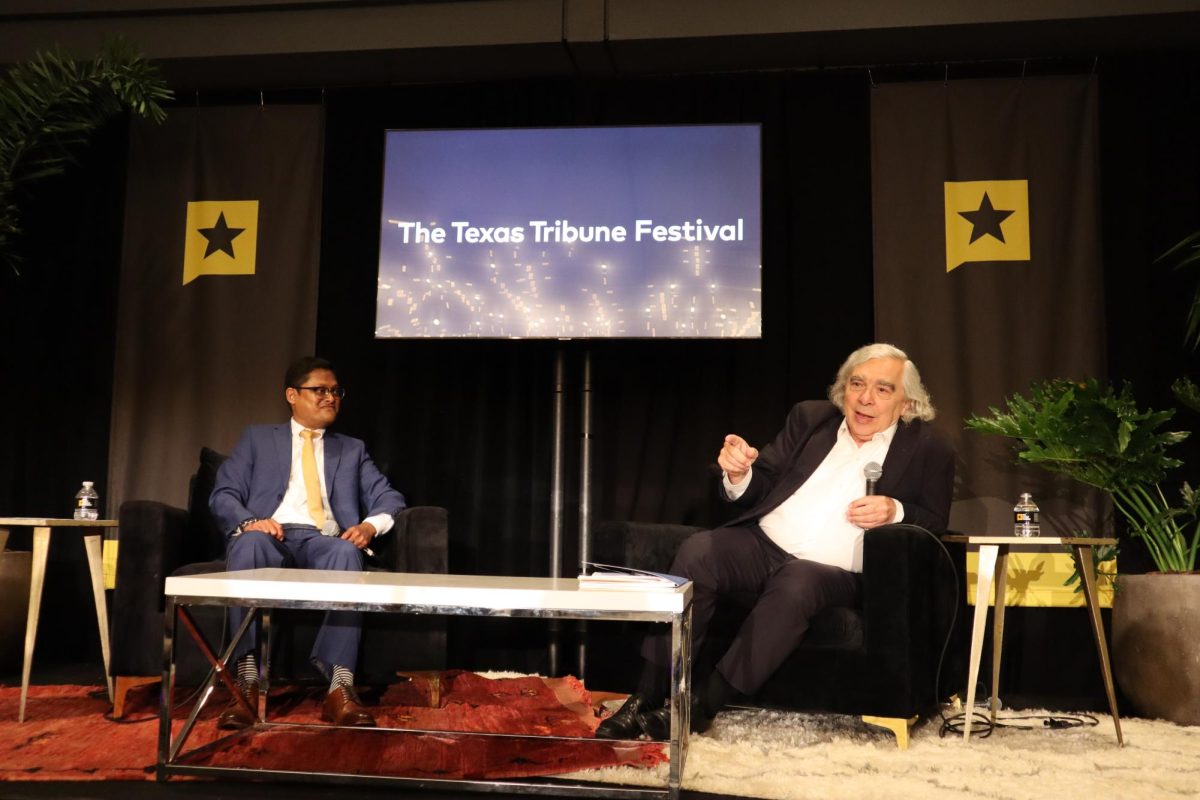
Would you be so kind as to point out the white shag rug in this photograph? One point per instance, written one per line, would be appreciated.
(782, 755)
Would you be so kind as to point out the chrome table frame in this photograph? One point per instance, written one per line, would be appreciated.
(262, 590)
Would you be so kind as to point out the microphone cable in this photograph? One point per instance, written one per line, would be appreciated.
(937, 679)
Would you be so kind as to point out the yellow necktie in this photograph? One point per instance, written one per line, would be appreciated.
(312, 484)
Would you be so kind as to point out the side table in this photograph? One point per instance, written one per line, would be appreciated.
(42, 528)
(993, 566)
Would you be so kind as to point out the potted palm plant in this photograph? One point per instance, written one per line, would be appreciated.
(1097, 435)
(50, 105)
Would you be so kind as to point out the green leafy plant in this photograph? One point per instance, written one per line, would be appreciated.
(1187, 393)
(1098, 436)
(1184, 254)
(50, 105)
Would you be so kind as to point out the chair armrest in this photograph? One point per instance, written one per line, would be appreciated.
(152, 540)
(903, 589)
(151, 544)
(642, 545)
(418, 542)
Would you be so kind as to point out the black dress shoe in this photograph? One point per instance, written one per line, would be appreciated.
(657, 723)
(624, 723)
(701, 721)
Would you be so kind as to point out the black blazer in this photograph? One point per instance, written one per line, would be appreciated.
(918, 470)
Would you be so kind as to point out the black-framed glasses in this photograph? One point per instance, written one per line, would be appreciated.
(324, 391)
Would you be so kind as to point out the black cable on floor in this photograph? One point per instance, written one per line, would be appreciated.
(983, 722)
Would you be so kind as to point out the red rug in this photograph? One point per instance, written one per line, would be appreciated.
(66, 736)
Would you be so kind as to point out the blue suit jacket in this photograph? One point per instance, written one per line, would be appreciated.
(252, 481)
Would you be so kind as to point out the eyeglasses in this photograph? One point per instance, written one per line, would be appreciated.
(324, 391)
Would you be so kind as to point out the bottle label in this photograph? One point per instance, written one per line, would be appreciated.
(85, 502)
(1021, 517)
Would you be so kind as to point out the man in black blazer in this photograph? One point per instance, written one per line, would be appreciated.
(798, 543)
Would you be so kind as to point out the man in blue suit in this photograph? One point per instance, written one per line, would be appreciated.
(295, 495)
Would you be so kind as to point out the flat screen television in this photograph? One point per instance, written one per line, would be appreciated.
(566, 233)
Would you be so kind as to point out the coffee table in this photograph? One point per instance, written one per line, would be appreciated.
(262, 590)
(43, 527)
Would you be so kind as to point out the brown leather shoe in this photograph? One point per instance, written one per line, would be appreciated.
(235, 717)
(341, 707)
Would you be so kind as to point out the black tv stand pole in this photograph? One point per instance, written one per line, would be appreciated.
(556, 499)
(585, 497)
(558, 492)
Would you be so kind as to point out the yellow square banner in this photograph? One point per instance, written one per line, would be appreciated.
(221, 238)
(986, 221)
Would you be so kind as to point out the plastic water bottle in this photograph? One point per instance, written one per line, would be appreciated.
(87, 502)
(1025, 517)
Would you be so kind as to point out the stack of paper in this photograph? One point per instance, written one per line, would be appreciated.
(610, 577)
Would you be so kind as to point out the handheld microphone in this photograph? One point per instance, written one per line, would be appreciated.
(872, 472)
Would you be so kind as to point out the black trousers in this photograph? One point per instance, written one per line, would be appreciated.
(790, 593)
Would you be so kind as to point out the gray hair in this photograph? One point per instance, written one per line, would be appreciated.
(919, 404)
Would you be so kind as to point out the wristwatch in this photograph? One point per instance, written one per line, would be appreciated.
(241, 528)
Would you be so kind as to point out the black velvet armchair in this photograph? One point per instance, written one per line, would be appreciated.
(157, 540)
(878, 661)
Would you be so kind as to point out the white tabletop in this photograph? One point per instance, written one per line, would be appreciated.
(51, 522)
(422, 589)
(1087, 541)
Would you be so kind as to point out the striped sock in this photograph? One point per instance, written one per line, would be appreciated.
(341, 677)
(247, 670)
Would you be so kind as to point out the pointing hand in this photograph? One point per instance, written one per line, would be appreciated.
(735, 457)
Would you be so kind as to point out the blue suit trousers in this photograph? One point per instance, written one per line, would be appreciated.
(302, 547)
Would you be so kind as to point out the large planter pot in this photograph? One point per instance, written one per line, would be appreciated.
(14, 601)
(1156, 644)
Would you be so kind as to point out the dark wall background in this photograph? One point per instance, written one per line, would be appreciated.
(466, 425)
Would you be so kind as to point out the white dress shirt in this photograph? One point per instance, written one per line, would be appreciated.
(812, 523)
(294, 508)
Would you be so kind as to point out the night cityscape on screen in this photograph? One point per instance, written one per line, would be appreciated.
(571, 233)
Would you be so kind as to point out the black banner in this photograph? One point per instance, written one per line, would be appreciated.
(218, 288)
(987, 264)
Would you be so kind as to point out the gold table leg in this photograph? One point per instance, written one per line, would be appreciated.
(92, 544)
(987, 568)
(1087, 572)
(37, 577)
(998, 624)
